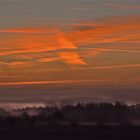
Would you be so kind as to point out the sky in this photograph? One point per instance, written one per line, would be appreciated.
(64, 51)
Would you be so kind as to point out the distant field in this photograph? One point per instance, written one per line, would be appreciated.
(69, 132)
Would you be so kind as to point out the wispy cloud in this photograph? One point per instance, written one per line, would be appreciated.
(122, 31)
(114, 66)
(11, 76)
(71, 58)
(30, 30)
(12, 63)
(55, 82)
(72, 47)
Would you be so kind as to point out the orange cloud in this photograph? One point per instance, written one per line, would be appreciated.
(109, 30)
(97, 51)
(11, 76)
(93, 52)
(71, 58)
(42, 43)
(29, 30)
(63, 42)
(114, 66)
(32, 42)
(54, 82)
(12, 63)
(48, 59)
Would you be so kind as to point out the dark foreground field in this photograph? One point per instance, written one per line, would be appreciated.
(69, 132)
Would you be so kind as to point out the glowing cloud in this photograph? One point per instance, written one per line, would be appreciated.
(71, 58)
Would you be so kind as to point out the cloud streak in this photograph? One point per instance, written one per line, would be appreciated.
(29, 30)
(54, 82)
(114, 66)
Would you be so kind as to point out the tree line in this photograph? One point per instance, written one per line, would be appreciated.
(80, 113)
